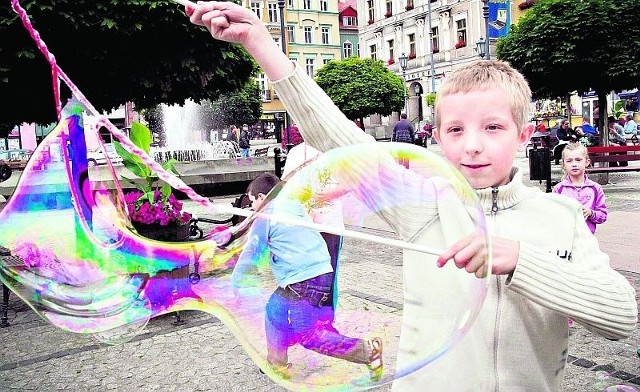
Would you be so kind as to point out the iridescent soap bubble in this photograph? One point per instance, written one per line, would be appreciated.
(80, 264)
(419, 311)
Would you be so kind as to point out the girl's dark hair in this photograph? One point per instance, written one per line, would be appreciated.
(264, 183)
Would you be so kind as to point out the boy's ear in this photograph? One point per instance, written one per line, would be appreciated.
(525, 135)
(436, 135)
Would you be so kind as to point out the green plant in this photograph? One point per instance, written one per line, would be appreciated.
(430, 99)
(152, 202)
(618, 110)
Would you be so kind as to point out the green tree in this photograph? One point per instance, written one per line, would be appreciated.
(362, 87)
(114, 51)
(430, 99)
(562, 46)
(240, 107)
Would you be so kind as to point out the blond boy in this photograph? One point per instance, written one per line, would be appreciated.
(520, 338)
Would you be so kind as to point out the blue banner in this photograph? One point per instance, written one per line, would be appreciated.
(499, 18)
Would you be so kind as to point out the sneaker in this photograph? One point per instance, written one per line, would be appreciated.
(282, 371)
(375, 359)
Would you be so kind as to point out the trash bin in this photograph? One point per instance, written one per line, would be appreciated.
(539, 164)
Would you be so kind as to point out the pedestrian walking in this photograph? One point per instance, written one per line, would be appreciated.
(243, 142)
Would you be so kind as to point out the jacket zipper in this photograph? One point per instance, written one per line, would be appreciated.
(494, 211)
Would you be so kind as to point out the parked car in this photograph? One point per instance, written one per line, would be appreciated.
(17, 158)
(97, 156)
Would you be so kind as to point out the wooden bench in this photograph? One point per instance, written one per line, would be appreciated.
(606, 155)
(261, 152)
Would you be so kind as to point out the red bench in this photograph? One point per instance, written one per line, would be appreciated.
(602, 157)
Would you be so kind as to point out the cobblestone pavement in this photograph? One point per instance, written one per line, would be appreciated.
(201, 355)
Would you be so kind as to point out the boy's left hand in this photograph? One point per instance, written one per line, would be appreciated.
(587, 213)
(470, 253)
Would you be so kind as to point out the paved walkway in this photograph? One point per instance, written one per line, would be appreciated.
(201, 355)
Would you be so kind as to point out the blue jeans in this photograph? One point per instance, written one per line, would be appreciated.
(334, 245)
(244, 152)
(296, 315)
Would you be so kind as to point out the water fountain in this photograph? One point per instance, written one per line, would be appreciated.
(185, 139)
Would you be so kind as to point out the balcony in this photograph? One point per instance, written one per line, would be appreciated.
(265, 95)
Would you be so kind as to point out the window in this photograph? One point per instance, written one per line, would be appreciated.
(255, 7)
(307, 34)
(358, 49)
(389, 7)
(310, 65)
(435, 38)
(273, 12)
(325, 61)
(372, 49)
(325, 35)
(347, 50)
(306, 4)
(324, 5)
(390, 43)
(291, 33)
(412, 43)
(290, 4)
(371, 10)
(349, 21)
(262, 85)
(461, 30)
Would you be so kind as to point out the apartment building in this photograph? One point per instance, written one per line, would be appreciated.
(348, 19)
(311, 37)
(436, 37)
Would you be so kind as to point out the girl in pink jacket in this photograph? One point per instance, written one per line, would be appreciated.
(577, 185)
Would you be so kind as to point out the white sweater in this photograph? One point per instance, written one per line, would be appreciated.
(520, 338)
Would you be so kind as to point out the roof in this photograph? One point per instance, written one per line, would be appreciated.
(344, 4)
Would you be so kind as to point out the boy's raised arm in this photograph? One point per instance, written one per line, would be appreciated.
(230, 22)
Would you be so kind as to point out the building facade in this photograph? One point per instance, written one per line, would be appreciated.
(348, 21)
(311, 37)
(437, 37)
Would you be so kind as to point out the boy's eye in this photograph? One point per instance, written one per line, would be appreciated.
(493, 127)
(455, 129)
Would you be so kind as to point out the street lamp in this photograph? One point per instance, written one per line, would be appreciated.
(485, 15)
(403, 66)
(283, 44)
(481, 46)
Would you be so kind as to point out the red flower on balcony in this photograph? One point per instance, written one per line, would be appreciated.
(436, 50)
(461, 44)
(526, 4)
(388, 14)
(412, 55)
(370, 21)
(408, 7)
(391, 61)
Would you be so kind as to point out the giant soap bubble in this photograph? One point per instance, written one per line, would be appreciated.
(80, 264)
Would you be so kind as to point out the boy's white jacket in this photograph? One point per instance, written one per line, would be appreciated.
(520, 339)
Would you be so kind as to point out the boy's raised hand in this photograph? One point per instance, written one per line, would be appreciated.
(226, 21)
(470, 253)
(231, 22)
